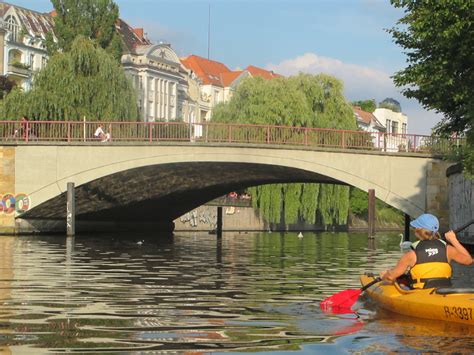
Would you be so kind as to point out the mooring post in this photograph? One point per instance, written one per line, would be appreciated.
(71, 210)
(407, 228)
(371, 213)
(219, 222)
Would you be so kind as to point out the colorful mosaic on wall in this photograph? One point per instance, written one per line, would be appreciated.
(10, 203)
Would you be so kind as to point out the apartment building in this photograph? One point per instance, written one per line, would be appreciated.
(22, 43)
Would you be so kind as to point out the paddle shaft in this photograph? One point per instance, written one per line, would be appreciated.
(377, 279)
(459, 229)
(464, 226)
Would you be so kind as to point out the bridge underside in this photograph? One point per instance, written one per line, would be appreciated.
(151, 197)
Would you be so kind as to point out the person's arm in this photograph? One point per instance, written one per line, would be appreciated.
(456, 251)
(406, 261)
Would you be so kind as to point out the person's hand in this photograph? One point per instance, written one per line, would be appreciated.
(450, 236)
(383, 273)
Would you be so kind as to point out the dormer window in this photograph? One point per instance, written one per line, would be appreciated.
(13, 27)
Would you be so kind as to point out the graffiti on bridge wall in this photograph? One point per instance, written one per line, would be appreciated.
(194, 218)
(18, 203)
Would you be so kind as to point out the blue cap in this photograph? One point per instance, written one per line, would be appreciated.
(426, 221)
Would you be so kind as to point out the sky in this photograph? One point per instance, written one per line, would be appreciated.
(343, 38)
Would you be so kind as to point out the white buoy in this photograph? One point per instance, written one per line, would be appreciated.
(300, 235)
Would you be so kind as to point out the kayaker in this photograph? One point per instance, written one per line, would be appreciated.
(429, 261)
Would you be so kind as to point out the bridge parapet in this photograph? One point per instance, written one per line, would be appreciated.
(13, 132)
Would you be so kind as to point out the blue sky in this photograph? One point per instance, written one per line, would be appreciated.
(344, 38)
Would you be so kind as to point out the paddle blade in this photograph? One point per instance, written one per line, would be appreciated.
(340, 302)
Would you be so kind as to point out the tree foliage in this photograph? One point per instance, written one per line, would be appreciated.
(303, 100)
(438, 37)
(366, 105)
(6, 85)
(82, 82)
(93, 19)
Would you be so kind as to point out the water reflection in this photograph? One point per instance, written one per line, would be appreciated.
(196, 293)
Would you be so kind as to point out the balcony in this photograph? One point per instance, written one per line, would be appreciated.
(19, 70)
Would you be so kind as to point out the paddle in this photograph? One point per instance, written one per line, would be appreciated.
(342, 302)
(464, 226)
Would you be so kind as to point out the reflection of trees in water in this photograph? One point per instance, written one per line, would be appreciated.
(192, 292)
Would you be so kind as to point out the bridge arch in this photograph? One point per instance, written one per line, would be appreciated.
(119, 180)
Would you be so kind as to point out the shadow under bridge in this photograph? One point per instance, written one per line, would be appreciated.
(151, 197)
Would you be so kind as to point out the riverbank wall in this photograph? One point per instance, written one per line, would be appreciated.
(245, 218)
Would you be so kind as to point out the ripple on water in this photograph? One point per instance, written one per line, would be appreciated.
(252, 292)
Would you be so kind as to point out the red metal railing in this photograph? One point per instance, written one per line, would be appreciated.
(67, 131)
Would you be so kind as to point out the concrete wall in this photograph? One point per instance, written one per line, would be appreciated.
(461, 201)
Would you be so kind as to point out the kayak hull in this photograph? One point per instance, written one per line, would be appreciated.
(451, 307)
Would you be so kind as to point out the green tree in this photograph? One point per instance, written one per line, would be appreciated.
(306, 101)
(6, 85)
(84, 81)
(93, 19)
(366, 105)
(438, 37)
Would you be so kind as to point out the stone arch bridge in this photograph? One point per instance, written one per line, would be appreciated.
(123, 186)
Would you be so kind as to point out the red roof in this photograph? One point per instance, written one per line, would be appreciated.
(228, 78)
(366, 117)
(132, 37)
(209, 71)
(266, 74)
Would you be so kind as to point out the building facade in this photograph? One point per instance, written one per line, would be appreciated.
(217, 82)
(159, 78)
(396, 125)
(22, 43)
(367, 121)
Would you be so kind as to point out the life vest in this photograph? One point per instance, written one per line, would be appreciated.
(432, 268)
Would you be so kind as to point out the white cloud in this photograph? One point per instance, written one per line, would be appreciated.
(360, 83)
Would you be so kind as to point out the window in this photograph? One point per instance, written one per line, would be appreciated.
(388, 126)
(404, 128)
(32, 61)
(395, 127)
(44, 61)
(13, 28)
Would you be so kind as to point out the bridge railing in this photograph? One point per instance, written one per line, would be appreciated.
(72, 131)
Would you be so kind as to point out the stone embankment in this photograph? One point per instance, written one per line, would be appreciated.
(234, 218)
(461, 202)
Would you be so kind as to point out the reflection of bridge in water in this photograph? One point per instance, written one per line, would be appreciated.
(148, 174)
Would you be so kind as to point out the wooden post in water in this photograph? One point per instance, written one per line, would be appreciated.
(407, 228)
(219, 222)
(71, 210)
(371, 213)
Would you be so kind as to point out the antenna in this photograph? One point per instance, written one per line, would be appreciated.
(209, 33)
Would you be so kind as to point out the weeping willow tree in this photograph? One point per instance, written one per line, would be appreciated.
(85, 81)
(307, 101)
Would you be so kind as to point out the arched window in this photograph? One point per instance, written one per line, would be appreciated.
(14, 56)
(13, 27)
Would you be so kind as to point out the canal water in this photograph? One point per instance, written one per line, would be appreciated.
(193, 294)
